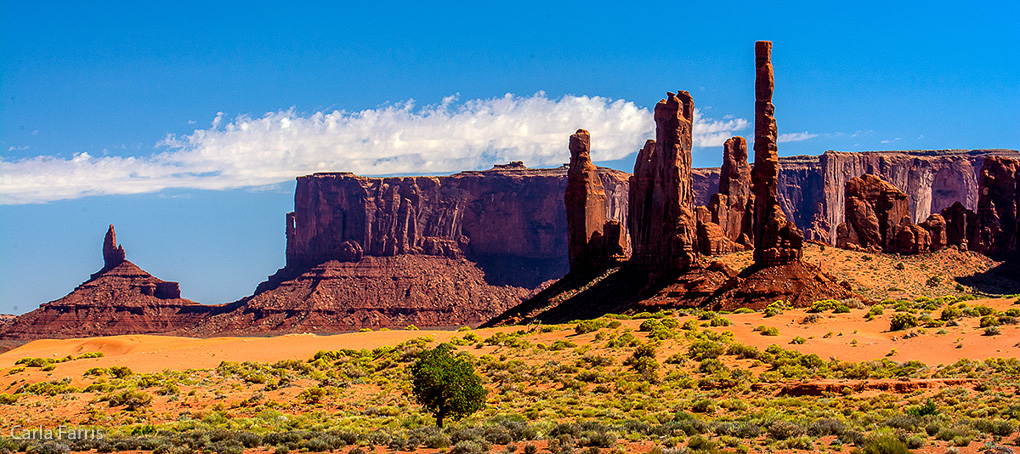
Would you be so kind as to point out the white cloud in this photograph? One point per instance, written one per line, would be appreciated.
(395, 139)
(795, 137)
(890, 140)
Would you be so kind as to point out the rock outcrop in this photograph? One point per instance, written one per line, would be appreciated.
(592, 243)
(777, 241)
(875, 210)
(113, 254)
(119, 299)
(813, 188)
(661, 220)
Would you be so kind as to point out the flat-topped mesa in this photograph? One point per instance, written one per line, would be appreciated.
(777, 241)
(661, 210)
(113, 254)
(589, 242)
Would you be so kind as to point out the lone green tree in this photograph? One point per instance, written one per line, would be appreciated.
(446, 385)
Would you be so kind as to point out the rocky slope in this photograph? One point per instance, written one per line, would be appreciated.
(393, 291)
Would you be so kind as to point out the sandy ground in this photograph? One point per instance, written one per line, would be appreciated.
(145, 353)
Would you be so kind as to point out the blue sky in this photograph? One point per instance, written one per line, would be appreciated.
(185, 124)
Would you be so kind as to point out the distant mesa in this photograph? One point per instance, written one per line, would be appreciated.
(119, 299)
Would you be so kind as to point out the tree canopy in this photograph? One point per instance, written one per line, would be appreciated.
(446, 384)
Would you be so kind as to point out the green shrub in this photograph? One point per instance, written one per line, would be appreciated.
(823, 305)
(742, 351)
(984, 310)
(703, 348)
(902, 321)
(885, 444)
(775, 308)
(993, 331)
(951, 312)
(130, 399)
(312, 395)
(7, 399)
(720, 321)
(927, 409)
(877, 309)
(798, 340)
(767, 330)
(120, 371)
(989, 320)
(589, 326)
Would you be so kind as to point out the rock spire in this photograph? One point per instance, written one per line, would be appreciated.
(777, 241)
(661, 216)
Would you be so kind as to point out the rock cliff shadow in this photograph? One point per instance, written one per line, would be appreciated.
(1003, 279)
(520, 271)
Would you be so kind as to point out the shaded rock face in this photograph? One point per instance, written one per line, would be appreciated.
(119, 299)
(960, 225)
(392, 291)
(510, 220)
(661, 220)
(777, 241)
(996, 216)
(591, 241)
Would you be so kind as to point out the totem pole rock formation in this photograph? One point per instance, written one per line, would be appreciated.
(777, 241)
(591, 240)
(661, 217)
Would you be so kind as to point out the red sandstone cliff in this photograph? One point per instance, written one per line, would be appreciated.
(510, 220)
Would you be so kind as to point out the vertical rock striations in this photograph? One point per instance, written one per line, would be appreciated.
(662, 224)
(590, 240)
(777, 241)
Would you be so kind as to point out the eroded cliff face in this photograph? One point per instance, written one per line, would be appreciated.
(511, 219)
(934, 180)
